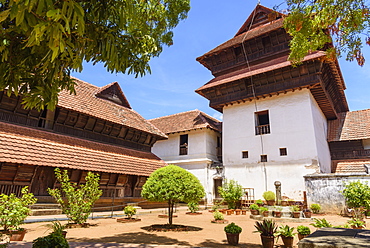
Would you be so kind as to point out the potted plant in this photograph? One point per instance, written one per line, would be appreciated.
(13, 211)
(356, 223)
(193, 208)
(129, 212)
(54, 239)
(218, 218)
(57, 227)
(320, 223)
(264, 211)
(232, 233)
(259, 202)
(303, 231)
(290, 202)
(269, 196)
(284, 203)
(238, 211)
(295, 211)
(277, 212)
(287, 235)
(315, 208)
(267, 229)
(254, 209)
(307, 213)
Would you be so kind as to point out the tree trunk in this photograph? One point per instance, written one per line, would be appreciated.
(170, 212)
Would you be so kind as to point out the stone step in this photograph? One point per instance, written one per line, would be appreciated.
(45, 206)
(40, 212)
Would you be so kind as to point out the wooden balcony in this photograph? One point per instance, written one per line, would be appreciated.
(262, 129)
(183, 151)
(353, 154)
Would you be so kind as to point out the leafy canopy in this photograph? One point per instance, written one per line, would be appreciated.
(231, 192)
(43, 41)
(310, 22)
(172, 184)
(76, 200)
(357, 194)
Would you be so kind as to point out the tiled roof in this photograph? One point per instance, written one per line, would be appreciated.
(37, 147)
(352, 125)
(259, 30)
(257, 69)
(352, 166)
(186, 121)
(85, 101)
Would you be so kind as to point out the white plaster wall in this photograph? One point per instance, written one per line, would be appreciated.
(292, 127)
(321, 129)
(366, 143)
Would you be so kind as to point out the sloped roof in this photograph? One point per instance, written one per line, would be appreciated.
(87, 101)
(352, 166)
(256, 69)
(352, 125)
(37, 147)
(186, 121)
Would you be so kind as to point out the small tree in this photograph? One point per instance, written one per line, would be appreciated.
(231, 192)
(172, 184)
(357, 196)
(79, 199)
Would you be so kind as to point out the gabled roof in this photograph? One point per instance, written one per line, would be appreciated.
(114, 93)
(350, 167)
(354, 125)
(88, 101)
(31, 146)
(186, 121)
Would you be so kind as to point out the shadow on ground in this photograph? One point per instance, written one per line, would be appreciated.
(135, 237)
(214, 244)
(172, 228)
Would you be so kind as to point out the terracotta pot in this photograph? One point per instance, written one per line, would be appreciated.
(254, 212)
(232, 238)
(265, 214)
(296, 214)
(284, 203)
(288, 241)
(277, 214)
(244, 212)
(238, 211)
(229, 212)
(357, 227)
(267, 241)
(307, 214)
(15, 235)
(223, 211)
(271, 203)
(301, 236)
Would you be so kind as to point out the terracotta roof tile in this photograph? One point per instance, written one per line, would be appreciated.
(186, 121)
(37, 147)
(85, 101)
(352, 125)
(257, 69)
(352, 166)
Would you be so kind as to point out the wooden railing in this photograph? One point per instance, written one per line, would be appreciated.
(262, 129)
(8, 189)
(350, 154)
(183, 151)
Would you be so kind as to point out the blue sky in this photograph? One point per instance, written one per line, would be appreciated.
(169, 89)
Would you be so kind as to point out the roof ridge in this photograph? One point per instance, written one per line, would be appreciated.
(194, 110)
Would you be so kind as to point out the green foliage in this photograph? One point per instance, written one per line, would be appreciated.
(311, 22)
(320, 223)
(357, 194)
(303, 230)
(254, 207)
(259, 202)
(268, 195)
(295, 208)
(58, 227)
(129, 211)
(286, 231)
(218, 216)
(357, 223)
(315, 208)
(14, 210)
(78, 199)
(232, 228)
(231, 192)
(193, 207)
(172, 184)
(42, 42)
(278, 209)
(266, 227)
(263, 209)
(53, 240)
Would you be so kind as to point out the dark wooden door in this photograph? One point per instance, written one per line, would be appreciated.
(43, 180)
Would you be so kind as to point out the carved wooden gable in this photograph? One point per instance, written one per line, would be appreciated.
(113, 92)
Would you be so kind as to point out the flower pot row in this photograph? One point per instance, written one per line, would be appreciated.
(233, 211)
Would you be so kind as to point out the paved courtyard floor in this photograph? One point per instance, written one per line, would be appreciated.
(107, 232)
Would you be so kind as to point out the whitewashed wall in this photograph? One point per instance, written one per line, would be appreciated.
(296, 123)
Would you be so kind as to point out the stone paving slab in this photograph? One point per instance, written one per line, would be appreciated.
(336, 238)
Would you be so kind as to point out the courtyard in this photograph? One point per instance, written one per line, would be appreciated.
(107, 232)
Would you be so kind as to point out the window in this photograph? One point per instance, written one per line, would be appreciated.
(263, 158)
(262, 122)
(283, 152)
(184, 144)
(244, 154)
